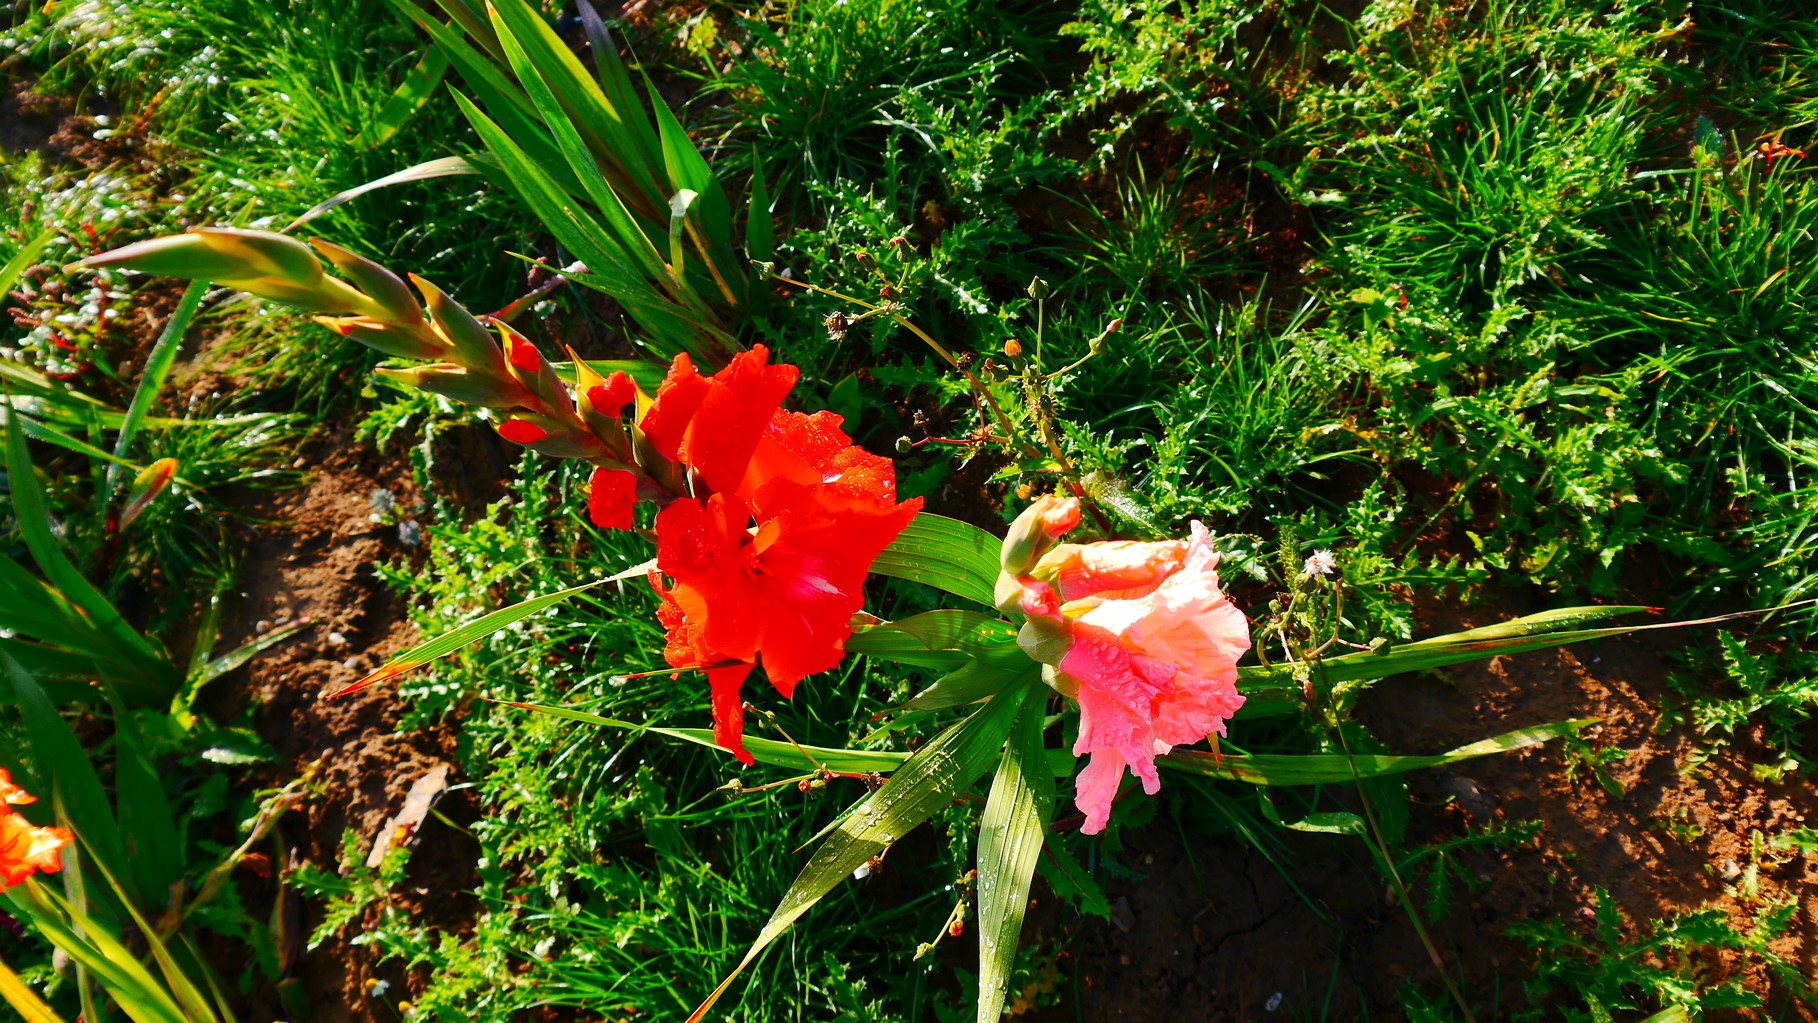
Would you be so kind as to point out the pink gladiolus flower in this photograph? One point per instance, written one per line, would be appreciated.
(1114, 568)
(1152, 652)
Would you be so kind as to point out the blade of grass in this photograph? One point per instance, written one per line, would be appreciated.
(1010, 839)
(453, 640)
(24, 258)
(407, 98)
(1329, 768)
(437, 168)
(929, 780)
(766, 751)
(157, 370)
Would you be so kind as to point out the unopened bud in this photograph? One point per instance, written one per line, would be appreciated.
(466, 386)
(1035, 530)
(550, 436)
(381, 285)
(1013, 348)
(147, 485)
(904, 248)
(1039, 289)
(473, 344)
(1046, 640)
(865, 260)
(259, 263)
(1097, 344)
(904, 445)
(397, 342)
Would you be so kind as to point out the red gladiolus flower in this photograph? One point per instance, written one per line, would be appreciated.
(611, 397)
(712, 424)
(612, 496)
(24, 848)
(785, 594)
(12, 795)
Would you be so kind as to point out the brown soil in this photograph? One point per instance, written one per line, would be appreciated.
(314, 559)
(1247, 946)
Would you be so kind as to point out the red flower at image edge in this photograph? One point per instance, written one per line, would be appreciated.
(785, 594)
(24, 848)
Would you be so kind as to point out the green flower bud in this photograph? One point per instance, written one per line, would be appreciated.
(474, 346)
(463, 385)
(381, 285)
(397, 342)
(1039, 289)
(1045, 640)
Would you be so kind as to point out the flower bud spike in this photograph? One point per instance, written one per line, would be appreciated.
(601, 403)
(550, 436)
(527, 364)
(461, 384)
(381, 285)
(1035, 530)
(257, 262)
(473, 344)
(397, 342)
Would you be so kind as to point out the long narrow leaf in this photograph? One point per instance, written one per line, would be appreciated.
(584, 109)
(558, 210)
(636, 247)
(1331, 768)
(438, 168)
(93, 946)
(1443, 651)
(453, 640)
(930, 779)
(407, 98)
(23, 999)
(24, 258)
(157, 370)
(944, 553)
(61, 769)
(134, 657)
(1010, 838)
(765, 751)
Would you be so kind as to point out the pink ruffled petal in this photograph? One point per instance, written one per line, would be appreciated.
(1095, 787)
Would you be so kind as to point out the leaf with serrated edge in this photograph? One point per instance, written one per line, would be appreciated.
(1010, 838)
(930, 779)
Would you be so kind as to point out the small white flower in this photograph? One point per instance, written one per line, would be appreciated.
(1321, 563)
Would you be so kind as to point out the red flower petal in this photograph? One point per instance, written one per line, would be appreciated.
(524, 355)
(610, 398)
(733, 416)
(681, 392)
(612, 498)
(518, 431)
(729, 709)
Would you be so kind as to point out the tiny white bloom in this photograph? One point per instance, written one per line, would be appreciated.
(1321, 563)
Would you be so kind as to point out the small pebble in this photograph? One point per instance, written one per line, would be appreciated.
(336, 639)
(261, 626)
